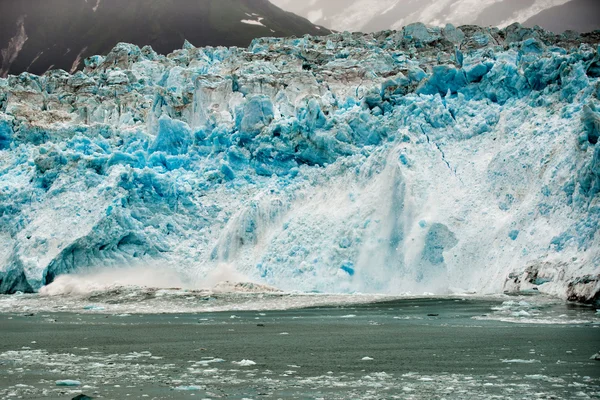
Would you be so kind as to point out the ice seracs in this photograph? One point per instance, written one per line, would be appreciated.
(410, 161)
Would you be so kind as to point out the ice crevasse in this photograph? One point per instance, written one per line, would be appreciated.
(426, 159)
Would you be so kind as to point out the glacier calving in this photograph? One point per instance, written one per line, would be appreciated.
(426, 159)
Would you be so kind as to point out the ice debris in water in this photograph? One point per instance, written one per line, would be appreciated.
(188, 388)
(244, 363)
(519, 361)
(401, 161)
(68, 382)
(210, 360)
(93, 308)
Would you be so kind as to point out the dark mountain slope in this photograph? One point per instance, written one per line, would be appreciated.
(36, 35)
(577, 15)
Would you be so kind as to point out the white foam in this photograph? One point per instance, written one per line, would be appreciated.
(108, 278)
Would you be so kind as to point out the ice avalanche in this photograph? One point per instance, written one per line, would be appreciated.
(422, 160)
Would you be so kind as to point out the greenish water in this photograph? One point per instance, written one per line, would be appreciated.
(408, 349)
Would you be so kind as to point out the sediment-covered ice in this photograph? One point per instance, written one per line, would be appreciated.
(426, 159)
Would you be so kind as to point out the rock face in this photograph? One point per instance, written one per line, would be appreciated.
(425, 159)
(36, 36)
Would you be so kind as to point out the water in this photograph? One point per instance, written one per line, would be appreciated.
(424, 348)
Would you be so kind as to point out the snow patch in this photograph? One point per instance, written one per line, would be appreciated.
(253, 22)
(15, 45)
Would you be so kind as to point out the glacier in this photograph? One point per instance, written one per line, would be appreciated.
(428, 159)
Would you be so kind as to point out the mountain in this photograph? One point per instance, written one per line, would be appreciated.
(429, 159)
(576, 15)
(377, 15)
(37, 35)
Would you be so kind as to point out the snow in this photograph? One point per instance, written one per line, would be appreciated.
(97, 5)
(389, 163)
(14, 47)
(253, 22)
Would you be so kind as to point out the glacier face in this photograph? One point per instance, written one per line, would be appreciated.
(427, 159)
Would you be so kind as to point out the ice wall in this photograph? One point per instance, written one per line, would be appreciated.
(423, 160)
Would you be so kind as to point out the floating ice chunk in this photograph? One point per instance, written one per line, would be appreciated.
(536, 377)
(93, 308)
(521, 313)
(189, 388)
(208, 361)
(519, 361)
(68, 382)
(367, 359)
(244, 363)
(210, 371)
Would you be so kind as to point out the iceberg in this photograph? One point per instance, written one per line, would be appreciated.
(417, 160)
(68, 382)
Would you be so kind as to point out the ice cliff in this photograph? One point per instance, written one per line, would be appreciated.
(422, 160)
